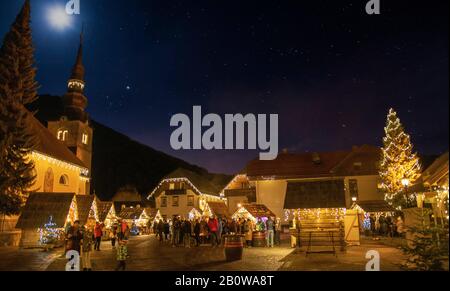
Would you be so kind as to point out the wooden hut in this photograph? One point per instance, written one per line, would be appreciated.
(42, 208)
(317, 211)
(136, 218)
(253, 212)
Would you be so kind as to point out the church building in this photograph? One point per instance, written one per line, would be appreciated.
(62, 157)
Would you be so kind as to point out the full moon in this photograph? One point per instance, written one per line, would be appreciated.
(58, 17)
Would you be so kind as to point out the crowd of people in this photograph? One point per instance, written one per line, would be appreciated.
(184, 232)
(386, 225)
(85, 239)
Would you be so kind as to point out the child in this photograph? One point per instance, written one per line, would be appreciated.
(122, 254)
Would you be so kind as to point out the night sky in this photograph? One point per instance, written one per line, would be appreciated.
(327, 68)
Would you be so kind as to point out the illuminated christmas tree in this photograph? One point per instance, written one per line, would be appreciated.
(50, 233)
(399, 165)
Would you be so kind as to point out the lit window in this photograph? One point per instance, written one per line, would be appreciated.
(85, 139)
(175, 201)
(64, 180)
(62, 134)
(190, 200)
(171, 186)
(163, 201)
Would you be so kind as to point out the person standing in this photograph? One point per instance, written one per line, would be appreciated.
(213, 228)
(187, 232)
(166, 230)
(197, 230)
(98, 233)
(219, 230)
(88, 241)
(122, 255)
(278, 231)
(247, 228)
(74, 237)
(270, 230)
(161, 230)
(176, 232)
(113, 235)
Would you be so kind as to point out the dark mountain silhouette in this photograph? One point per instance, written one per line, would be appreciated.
(119, 161)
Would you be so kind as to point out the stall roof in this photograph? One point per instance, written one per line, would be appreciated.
(103, 208)
(258, 210)
(219, 208)
(315, 194)
(131, 213)
(40, 206)
(375, 206)
(84, 206)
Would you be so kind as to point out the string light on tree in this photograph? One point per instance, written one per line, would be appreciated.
(50, 233)
(398, 161)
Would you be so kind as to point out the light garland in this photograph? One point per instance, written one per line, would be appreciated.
(66, 165)
(50, 233)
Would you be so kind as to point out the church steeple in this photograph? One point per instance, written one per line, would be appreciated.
(78, 68)
(74, 100)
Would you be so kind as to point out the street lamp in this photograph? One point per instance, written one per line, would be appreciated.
(405, 182)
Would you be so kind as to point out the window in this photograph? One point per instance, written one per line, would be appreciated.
(62, 134)
(64, 180)
(85, 139)
(190, 200)
(175, 201)
(163, 201)
(353, 188)
(171, 186)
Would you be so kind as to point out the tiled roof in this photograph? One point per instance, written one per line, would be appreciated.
(49, 145)
(359, 161)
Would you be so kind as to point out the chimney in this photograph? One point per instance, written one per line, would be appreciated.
(316, 158)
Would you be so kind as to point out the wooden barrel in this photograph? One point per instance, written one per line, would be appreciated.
(259, 239)
(234, 247)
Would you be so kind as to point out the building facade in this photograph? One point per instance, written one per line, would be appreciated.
(182, 191)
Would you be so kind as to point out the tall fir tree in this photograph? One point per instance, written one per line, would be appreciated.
(17, 87)
(398, 161)
(20, 35)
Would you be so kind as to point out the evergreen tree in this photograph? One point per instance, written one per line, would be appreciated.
(428, 248)
(16, 137)
(398, 161)
(20, 35)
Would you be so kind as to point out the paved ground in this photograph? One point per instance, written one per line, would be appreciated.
(15, 259)
(147, 254)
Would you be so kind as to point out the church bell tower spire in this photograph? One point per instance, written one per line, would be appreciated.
(75, 102)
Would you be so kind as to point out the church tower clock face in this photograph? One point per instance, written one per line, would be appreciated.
(48, 181)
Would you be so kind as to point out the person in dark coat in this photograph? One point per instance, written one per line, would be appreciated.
(187, 232)
(197, 230)
(166, 230)
(74, 237)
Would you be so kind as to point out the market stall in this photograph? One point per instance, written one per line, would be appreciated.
(194, 214)
(316, 210)
(44, 218)
(258, 214)
(136, 218)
